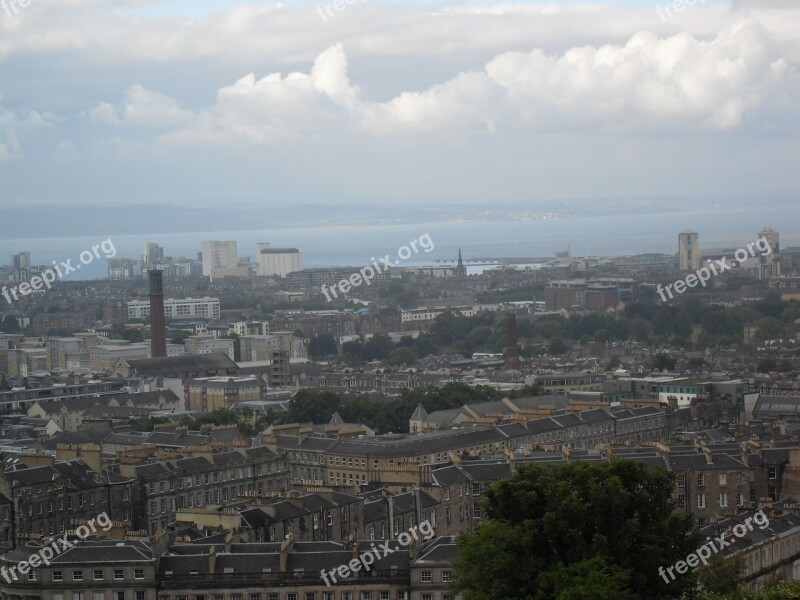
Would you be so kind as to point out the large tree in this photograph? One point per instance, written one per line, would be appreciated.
(577, 530)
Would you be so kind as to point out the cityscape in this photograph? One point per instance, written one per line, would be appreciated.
(399, 301)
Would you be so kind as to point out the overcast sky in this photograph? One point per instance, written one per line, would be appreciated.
(108, 102)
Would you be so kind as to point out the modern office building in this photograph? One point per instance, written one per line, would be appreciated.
(153, 255)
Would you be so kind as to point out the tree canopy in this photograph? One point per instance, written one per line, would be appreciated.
(577, 531)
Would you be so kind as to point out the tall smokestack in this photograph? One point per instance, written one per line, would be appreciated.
(511, 352)
(158, 329)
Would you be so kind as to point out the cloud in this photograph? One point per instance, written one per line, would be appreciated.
(12, 123)
(141, 107)
(648, 83)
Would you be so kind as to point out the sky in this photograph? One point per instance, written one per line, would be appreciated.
(205, 104)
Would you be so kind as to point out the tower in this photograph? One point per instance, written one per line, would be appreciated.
(461, 270)
(158, 329)
(689, 250)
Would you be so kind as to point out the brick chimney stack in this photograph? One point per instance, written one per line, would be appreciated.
(158, 328)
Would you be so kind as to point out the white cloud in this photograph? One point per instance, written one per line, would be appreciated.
(141, 107)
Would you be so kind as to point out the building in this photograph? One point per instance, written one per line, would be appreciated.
(689, 250)
(103, 357)
(185, 308)
(220, 260)
(278, 262)
(592, 294)
(153, 255)
(205, 394)
(198, 344)
(414, 315)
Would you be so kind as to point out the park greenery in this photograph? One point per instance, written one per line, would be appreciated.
(688, 324)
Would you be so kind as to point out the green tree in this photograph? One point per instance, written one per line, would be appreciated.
(547, 523)
(556, 346)
(377, 347)
(402, 356)
(322, 347)
(10, 325)
(312, 405)
(721, 575)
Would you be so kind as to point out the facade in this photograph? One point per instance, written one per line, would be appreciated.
(279, 262)
(184, 308)
(219, 255)
(412, 315)
(197, 344)
(103, 357)
(689, 251)
(210, 393)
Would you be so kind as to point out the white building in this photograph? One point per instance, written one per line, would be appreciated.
(186, 308)
(219, 255)
(278, 262)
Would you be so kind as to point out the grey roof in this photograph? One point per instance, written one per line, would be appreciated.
(186, 363)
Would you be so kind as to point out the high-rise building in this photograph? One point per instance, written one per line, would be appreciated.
(689, 250)
(220, 259)
(153, 255)
(770, 263)
(21, 266)
(259, 263)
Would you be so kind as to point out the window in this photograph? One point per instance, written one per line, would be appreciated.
(681, 501)
(58, 576)
(476, 510)
(723, 479)
(32, 575)
(291, 596)
(773, 473)
(138, 573)
(446, 576)
(447, 493)
(723, 500)
(366, 595)
(701, 500)
(77, 576)
(98, 574)
(739, 500)
(139, 595)
(383, 596)
(120, 595)
(99, 596)
(476, 489)
(425, 577)
(119, 574)
(311, 596)
(701, 479)
(255, 596)
(77, 595)
(427, 596)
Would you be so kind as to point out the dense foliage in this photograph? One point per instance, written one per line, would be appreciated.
(577, 531)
